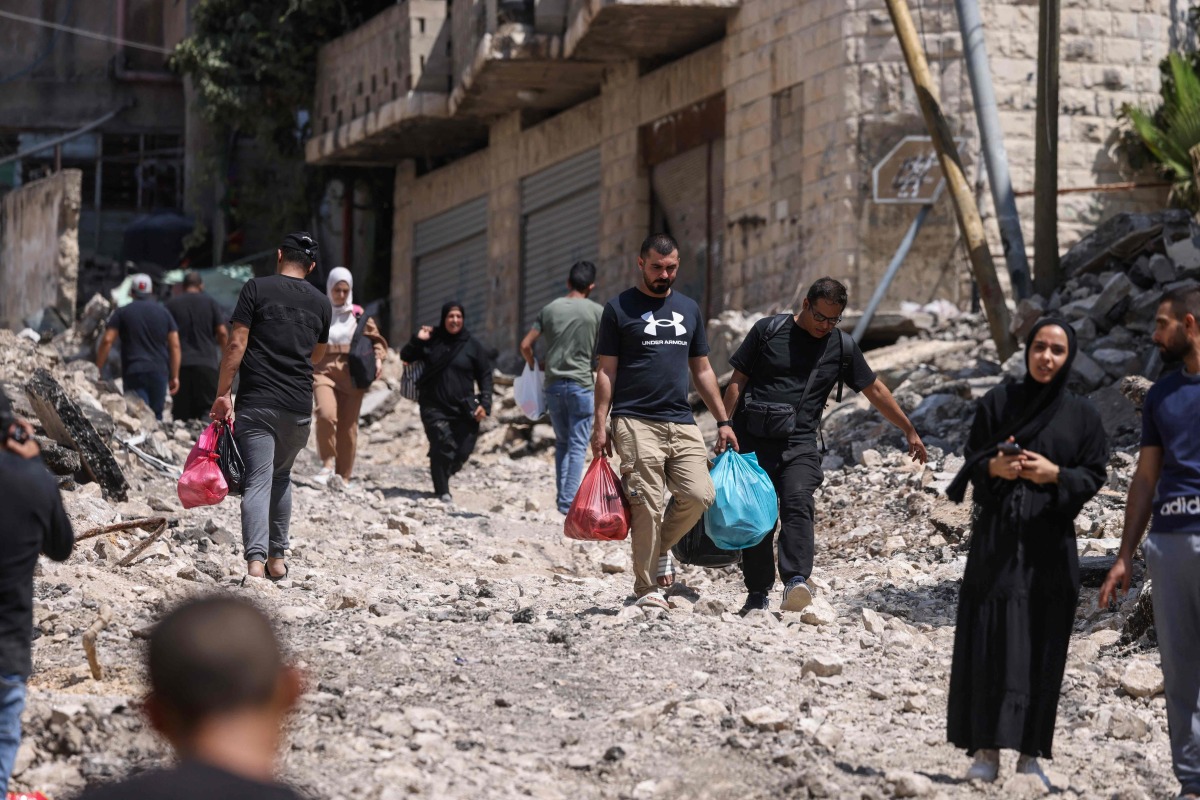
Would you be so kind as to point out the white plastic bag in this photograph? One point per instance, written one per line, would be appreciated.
(529, 393)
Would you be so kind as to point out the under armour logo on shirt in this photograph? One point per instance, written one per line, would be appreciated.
(652, 324)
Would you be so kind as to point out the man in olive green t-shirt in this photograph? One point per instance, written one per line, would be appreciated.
(569, 325)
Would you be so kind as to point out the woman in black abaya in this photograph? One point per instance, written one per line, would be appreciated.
(1016, 606)
(451, 408)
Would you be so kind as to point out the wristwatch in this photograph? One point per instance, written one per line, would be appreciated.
(725, 424)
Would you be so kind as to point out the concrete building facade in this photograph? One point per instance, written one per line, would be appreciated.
(54, 82)
(529, 134)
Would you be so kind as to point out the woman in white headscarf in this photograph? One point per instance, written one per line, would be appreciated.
(338, 400)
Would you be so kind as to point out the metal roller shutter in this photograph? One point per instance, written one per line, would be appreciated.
(451, 263)
(560, 208)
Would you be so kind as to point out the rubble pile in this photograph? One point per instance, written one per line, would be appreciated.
(470, 650)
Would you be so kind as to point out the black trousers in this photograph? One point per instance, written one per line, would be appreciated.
(197, 391)
(796, 473)
(451, 442)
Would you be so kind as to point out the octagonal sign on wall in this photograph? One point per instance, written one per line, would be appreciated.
(909, 173)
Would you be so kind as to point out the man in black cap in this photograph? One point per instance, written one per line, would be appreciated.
(220, 693)
(202, 336)
(150, 354)
(280, 328)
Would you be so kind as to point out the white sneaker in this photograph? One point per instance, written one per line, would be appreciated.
(323, 476)
(1028, 765)
(986, 766)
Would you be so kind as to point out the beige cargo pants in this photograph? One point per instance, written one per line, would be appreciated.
(656, 458)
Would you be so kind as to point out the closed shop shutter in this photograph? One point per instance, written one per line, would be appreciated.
(560, 216)
(451, 263)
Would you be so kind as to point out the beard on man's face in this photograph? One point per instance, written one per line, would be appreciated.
(1177, 348)
(661, 285)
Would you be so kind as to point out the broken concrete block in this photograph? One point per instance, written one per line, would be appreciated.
(1185, 253)
(1117, 363)
(1162, 269)
(1087, 372)
(1027, 313)
(68, 426)
(1117, 289)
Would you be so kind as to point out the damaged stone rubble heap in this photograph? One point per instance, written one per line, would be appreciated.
(472, 651)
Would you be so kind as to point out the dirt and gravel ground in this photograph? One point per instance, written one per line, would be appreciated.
(470, 651)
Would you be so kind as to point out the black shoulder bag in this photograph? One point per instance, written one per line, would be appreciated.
(361, 358)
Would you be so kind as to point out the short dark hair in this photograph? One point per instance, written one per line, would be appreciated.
(212, 655)
(582, 276)
(293, 256)
(660, 243)
(828, 289)
(1184, 300)
(193, 280)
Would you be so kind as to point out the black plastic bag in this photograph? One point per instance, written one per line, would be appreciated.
(697, 549)
(361, 358)
(230, 460)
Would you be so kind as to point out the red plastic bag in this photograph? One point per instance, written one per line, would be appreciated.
(600, 512)
(202, 483)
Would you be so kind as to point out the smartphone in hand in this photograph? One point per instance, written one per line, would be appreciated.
(1009, 449)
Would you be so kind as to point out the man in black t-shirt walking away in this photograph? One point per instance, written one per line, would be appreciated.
(202, 337)
(220, 694)
(651, 338)
(149, 346)
(280, 327)
(782, 375)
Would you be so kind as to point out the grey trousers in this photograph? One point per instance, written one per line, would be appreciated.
(269, 440)
(1174, 563)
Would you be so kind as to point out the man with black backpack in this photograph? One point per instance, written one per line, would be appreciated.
(783, 373)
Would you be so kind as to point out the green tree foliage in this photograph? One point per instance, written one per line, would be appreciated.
(253, 64)
(1165, 136)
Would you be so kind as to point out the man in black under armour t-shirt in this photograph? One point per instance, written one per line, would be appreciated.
(792, 363)
(280, 327)
(651, 338)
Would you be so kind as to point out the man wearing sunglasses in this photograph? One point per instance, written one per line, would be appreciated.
(280, 327)
(783, 374)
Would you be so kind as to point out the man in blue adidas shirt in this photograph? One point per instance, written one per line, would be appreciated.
(1166, 487)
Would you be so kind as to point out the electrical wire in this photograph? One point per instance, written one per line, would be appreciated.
(86, 33)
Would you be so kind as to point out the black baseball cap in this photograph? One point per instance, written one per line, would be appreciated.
(302, 241)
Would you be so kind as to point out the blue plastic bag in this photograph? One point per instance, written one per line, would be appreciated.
(746, 507)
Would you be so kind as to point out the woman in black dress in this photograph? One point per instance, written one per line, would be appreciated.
(451, 409)
(1016, 606)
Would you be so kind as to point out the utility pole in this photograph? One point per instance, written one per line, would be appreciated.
(960, 191)
(1047, 275)
(970, 22)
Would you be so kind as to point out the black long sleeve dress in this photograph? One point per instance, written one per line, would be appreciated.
(1020, 588)
(447, 397)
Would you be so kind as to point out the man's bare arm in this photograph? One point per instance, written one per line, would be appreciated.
(318, 352)
(733, 392)
(175, 358)
(527, 345)
(606, 377)
(710, 392)
(106, 343)
(1139, 506)
(881, 397)
(235, 350)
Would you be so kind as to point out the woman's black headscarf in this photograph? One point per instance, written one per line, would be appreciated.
(1032, 404)
(443, 345)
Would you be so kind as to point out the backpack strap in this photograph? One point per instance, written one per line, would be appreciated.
(773, 327)
(847, 355)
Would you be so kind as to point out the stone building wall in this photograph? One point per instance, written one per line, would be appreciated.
(39, 248)
(815, 94)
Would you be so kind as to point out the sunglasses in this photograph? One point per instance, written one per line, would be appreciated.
(821, 318)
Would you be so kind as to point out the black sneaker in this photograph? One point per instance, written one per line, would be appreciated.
(796, 595)
(756, 601)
